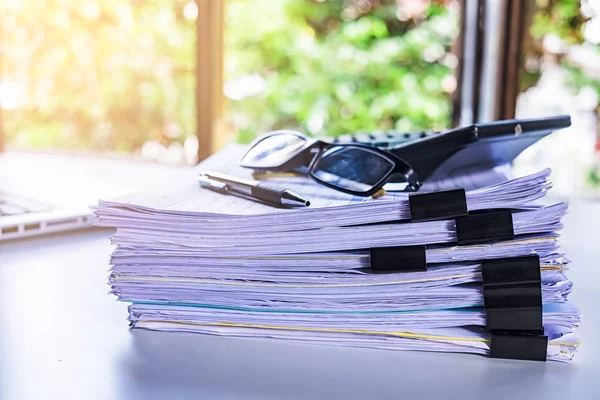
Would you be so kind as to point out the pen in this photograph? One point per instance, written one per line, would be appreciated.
(250, 189)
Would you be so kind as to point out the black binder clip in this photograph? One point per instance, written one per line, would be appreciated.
(485, 227)
(519, 347)
(512, 292)
(445, 204)
(398, 259)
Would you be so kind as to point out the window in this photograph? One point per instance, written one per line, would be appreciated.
(146, 76)
(174, 80)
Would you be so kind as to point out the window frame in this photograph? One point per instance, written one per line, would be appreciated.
(209, 75)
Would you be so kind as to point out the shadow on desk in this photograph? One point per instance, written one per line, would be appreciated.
(181, 365)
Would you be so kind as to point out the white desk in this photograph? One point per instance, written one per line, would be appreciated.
(63, 337)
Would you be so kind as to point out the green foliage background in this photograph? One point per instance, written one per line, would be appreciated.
(346, 68)
(113, 74)
(107, 75)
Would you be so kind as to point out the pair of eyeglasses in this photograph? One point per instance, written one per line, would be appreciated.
(352, 168)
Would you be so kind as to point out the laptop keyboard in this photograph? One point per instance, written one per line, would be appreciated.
(15, 205)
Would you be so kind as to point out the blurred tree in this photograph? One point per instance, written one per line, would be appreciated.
(115, 74)
(337, 66)
(104, 74)
(563, 20)
(559, 27)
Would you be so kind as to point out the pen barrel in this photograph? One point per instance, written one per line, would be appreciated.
(278, 196)
(268, 193)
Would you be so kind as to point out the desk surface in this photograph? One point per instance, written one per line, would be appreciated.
(63, 337)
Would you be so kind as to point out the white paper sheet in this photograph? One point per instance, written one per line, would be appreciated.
(192, 260)
(185, 207)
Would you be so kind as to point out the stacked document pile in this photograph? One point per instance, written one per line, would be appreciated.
(477, 271)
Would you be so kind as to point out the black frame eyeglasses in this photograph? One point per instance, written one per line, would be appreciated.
(356, 169)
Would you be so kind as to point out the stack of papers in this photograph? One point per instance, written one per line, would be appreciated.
(192, 260)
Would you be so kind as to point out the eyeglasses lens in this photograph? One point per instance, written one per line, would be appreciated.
(351, 168)
(273, 151)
